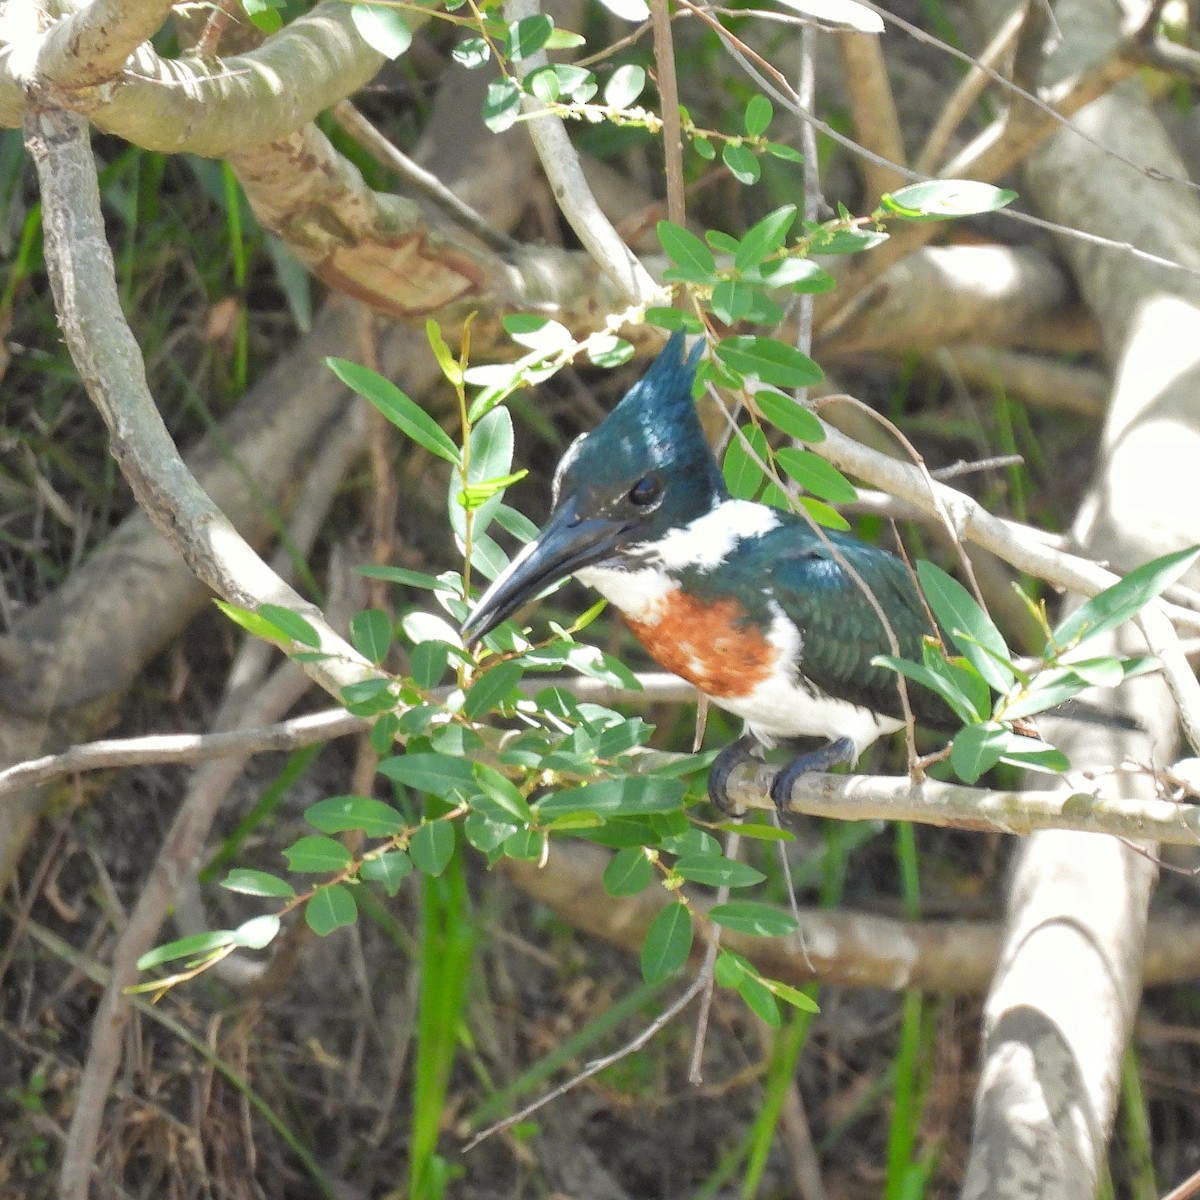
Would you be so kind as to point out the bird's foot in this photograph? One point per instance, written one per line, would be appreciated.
(733, 756)
(830, 755)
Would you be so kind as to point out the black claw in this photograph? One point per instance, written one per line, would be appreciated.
(829, 755)
(733, 756)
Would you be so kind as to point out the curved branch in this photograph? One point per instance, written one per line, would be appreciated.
(110, 363)
(200, 106)
(92, 45)
(560, 161)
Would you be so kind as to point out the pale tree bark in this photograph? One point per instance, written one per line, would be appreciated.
(1067, 989)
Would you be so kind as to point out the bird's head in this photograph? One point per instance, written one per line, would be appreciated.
(644, 470)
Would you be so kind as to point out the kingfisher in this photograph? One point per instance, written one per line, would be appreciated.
(747, 602)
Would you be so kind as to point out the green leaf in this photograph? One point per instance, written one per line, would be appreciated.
(788, 416)
(427, 663)
(501, 105)
(434, 774)
(619, 738)
(485, 834)
(742, 163)
(729, 969)
(505, 802)
(944, 199)
(290, 625)
(368, 697)
(257, 932)
(340, 813)
(625, 85)
(529, 35)
(799, 274)
(672, 319)
(1048, 689)
(432, 847)
(331, 908)
(382, 28)
(542, 83)
(632, 795)
(717, 871)
(1038, 757)
(750, 917)
(1116, 604)
(187, 947)
(577, 82)
(564, 39)
(823, 514)
(785, 153)
(668, 943)
(958, 613)
(936, 679)
(628, 872)
(314, 855)
(977, 749)
(408, 416)
(693, 260)
(704, 148)
(389, 870)
(732, 300)
(250, 621)
(793, 996)
(742, 472)
(491, 688)
(525, 845)
(766, 236)
(769, 360)
(402, 575)
(815, 475)
(759, 112)
(471, 53)
(264, 14)
(759, 999)
(756, 832)
(258, 883)
(371, 634)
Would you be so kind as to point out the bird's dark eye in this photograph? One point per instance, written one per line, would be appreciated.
(645, 491)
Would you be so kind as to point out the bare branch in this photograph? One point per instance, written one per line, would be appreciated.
(560, 161)
(895, 798)
(110, 364)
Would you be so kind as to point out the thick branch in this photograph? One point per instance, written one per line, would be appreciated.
(211, 108)
(854, 949)
(91, 46)
(110, 364)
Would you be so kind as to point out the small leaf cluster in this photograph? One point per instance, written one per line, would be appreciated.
(672, 852)
(992, 694)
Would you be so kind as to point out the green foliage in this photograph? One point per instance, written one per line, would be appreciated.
(987, 689)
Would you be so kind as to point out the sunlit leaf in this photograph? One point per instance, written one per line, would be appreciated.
(944, 199)
(1116, 604)
(406, 414)
(382, 27)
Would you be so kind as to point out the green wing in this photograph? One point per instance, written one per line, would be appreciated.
(842, 631)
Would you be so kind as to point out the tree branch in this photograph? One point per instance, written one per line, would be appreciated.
(200, 106)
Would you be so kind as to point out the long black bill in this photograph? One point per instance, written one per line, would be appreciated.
(567, 544)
